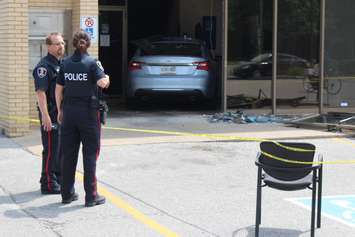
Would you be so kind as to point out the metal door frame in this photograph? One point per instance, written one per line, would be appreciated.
(122, 9)
(224, 75)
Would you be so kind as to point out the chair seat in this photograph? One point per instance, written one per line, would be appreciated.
(288, 185)
(289, 166)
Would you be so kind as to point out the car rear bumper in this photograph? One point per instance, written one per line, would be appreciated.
(181, 85)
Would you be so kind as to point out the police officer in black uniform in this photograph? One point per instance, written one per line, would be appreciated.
(78, 83)
(45, 75)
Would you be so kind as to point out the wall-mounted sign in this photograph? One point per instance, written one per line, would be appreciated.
(105, 40)
(89, 24)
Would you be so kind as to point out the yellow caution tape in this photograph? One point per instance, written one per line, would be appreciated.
(336, 162)
(19, 119)
(213, 136)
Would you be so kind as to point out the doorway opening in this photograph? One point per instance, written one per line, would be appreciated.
(112, 45)
(197, 19)
(123, 23)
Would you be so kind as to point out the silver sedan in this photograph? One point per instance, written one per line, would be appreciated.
(171, 66)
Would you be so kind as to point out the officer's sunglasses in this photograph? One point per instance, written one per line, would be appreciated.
(58, 43)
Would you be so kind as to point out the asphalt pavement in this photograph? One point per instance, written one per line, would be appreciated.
(158, 182)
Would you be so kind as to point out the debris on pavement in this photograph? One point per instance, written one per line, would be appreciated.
(243, 101)
(242, 118)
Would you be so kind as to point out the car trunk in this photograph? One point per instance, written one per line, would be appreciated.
(161, 65)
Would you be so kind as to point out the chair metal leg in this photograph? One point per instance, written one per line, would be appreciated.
(319, 202)
(314, 187)
(258, 204)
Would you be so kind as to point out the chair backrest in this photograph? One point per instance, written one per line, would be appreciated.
(292, 151)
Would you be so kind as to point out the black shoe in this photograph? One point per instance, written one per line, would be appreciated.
(55, 189)
(68, 200)
(97, 201)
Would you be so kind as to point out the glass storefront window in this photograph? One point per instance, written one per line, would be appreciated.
(339, 55)
(250, 42)
(249, 54)
(297, 82)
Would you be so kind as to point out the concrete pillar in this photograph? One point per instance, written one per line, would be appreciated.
(14, 83)
(85, 8)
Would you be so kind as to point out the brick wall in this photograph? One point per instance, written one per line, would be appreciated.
(85, 8)
(17, 97)
(14, 82)
(46, 5)
(77, 7)
(54, 4)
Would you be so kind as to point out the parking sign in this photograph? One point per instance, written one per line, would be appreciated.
(89, 24)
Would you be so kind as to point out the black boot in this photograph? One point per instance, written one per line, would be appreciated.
(98, 200)
(73, 197)
(53, 188)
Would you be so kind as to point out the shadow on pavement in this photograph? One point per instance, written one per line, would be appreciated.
(16, 208)
(51, 210)
(267, 232)
(20, 197)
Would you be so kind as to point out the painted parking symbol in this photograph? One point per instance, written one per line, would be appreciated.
(339, 208)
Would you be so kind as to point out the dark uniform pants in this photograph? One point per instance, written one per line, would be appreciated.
(50, 174)
(81, 123)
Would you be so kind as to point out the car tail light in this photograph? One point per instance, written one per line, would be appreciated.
(134, 66)
(202, 66)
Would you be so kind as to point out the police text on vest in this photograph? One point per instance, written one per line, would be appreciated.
(76, 76)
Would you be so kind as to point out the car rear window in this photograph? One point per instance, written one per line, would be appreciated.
(173, 49)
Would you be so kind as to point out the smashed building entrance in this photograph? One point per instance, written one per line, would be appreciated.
(124, 23)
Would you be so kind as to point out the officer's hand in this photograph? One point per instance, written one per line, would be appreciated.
(46, 123)
(60, 117)
(104, 82)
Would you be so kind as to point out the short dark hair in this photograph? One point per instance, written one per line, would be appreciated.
(81, 39)
(49, 37)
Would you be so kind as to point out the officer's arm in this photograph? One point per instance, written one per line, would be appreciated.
(42, 104)
(104, 82)
(58, 100)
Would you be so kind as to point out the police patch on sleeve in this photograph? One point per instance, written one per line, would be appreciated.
(98, 63)
(41, 72)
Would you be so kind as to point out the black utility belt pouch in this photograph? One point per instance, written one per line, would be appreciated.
(103, 109)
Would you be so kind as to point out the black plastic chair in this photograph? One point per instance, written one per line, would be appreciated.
(289, 166)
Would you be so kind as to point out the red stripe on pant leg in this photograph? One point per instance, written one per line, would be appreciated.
(99, 126)
(49, 144)
(94, 192)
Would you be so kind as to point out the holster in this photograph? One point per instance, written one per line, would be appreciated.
(103, 109)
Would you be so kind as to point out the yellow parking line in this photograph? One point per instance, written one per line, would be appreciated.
(136, 214)
(345, 141)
